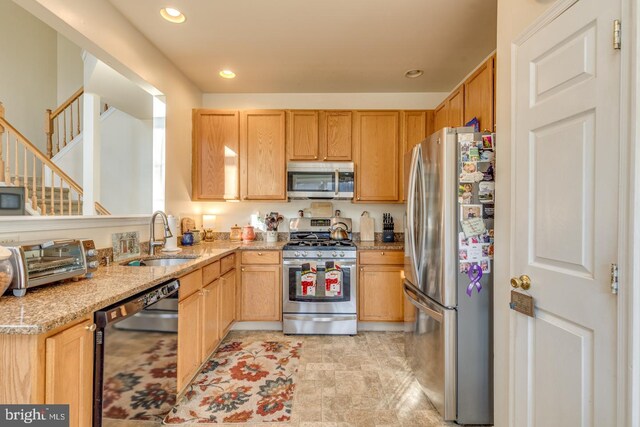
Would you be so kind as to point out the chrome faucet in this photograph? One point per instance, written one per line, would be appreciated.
(152, 231)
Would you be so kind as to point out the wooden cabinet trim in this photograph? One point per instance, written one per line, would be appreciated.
(385, 303)
(336, 142)
(261, 257)
(210, 272)
(227, 263)
(381, 257)
(261, 300)
(189, 284)
(303, 138)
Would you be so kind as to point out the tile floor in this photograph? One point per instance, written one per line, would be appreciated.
(346, 381)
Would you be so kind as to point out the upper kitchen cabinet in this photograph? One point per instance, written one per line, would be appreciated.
(456, 108)
(263, 155)
(302, 138)
(441, 116)
(415, 127)
(478, 96)
(336, 135)
(215, 170)
(377, 156)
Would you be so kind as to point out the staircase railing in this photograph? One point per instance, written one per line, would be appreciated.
(61, 126)
(23, 164)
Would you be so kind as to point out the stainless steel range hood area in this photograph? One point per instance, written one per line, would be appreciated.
(320, 180)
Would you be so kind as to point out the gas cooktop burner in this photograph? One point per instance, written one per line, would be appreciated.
(320, 244)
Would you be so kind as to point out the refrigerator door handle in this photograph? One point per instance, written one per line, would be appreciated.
(415, 300)
(411, 214)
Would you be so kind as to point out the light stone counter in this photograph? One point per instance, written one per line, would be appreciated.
(50, 306)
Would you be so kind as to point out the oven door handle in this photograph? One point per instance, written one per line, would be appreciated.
(320, 319)
(348, 263)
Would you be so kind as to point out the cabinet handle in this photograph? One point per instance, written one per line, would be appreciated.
(242, 269)
(206, 291)
(259, 253)
(361, 268)
(325, 158)
(92, 327)
(381, 253)
(315, 157)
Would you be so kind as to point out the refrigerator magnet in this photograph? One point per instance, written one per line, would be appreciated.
(487, 142)
(486, 190)
(465, 137)
(486, 156)
(463, 254)
(464, 267)
(474, 153)
(488, 211)
(485, 265)
(487, 250)
(474, 253)
(465, 193)
(470, 211)
(473, 227)
(470, 172)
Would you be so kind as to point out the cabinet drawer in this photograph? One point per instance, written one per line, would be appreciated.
(227, 263)
(261, 257)
(189, 284)
(382, 257)
(211, 272)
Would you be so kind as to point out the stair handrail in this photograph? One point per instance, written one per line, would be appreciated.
(53, 117)
(5, 175)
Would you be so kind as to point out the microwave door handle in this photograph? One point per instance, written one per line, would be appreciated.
(337, 183)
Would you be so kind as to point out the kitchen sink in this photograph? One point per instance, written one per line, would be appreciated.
(159, 262)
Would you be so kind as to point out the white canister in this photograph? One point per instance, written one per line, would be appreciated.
(272, 236)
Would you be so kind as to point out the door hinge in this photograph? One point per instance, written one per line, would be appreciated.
(614, 279)
(617, 34)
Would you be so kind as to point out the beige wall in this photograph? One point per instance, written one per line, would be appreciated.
(27, 70)
(69, 68)
(514, 16)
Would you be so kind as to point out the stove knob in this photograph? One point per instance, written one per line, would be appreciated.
(341, 253)
(334, 254)
(304, 253)
(319, 254)
(296, 253)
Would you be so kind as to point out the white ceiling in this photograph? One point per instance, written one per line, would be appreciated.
(321, 45)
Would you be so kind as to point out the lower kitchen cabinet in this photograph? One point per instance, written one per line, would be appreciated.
(227, 300)
(211, 331)
(69, 371)
(380, 287)
(189, 337)
(260, 295)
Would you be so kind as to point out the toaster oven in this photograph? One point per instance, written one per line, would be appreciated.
(40, 263)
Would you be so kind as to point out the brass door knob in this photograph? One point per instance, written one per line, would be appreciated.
(92, 327)
(523, 282)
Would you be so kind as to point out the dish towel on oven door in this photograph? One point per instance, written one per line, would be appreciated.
(308, 279)
(333, 279)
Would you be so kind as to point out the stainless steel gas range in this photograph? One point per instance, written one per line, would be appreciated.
(319, 279)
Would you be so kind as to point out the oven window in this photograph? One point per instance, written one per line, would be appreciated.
(321, 285)
(311, 181)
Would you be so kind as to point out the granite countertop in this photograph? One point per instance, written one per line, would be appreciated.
(380, 246)
(48, 307)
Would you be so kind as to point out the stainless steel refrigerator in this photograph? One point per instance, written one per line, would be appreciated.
(448, 264)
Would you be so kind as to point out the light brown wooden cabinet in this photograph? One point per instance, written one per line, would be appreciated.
(227, 300)
(215, 169)
(380, 295)
(456, 108)
(211, 331)
(377, 156)
(479, 96)
(69, 372)
(441, 116)
(302, 135)
(190, 337)
(260, 286)
(263, 155)
(336, 135)
(415, 127)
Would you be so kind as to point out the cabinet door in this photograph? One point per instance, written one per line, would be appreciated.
(228, 301)
(478, 96)
(381, 298)
(69, 372)
(210, 317)
(456, 108)
(336, 135)
(441, 116)
(302, 139)
(216, 142)
(377, 151)
(189, 337)
(414, 131)
(260, 292)
(263, 152)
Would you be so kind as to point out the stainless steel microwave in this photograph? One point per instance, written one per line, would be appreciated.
(320, 180)
(12, 201)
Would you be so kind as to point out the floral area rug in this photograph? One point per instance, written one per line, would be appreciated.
(242, 382)
(144, 387)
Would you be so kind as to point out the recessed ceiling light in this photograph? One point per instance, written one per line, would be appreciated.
(227, 74)
(412, 74)
(172, 15)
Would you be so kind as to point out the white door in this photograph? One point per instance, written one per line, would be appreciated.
(566, 214)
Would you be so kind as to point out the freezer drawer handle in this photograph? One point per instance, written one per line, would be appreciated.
(434, 314)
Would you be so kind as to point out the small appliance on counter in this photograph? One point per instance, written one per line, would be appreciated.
(248, 233)
(44, 262)
(236, 233)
